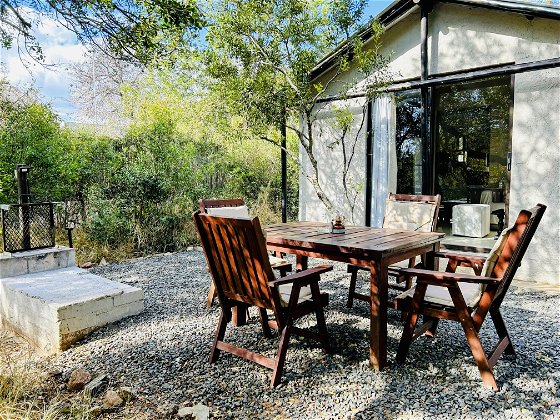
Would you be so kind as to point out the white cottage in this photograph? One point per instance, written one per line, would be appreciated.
(473, 114)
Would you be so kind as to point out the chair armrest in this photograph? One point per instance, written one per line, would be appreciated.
(469, 257)
(438, 277)
(302, 276)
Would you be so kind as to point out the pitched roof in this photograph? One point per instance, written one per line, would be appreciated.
(534, 8)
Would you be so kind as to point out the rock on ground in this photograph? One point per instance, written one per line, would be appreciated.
(78, 380)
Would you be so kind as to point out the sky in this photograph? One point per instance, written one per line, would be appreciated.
(62, 50)
(51, 79)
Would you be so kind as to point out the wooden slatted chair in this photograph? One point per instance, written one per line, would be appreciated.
(236, 207)
(402, 211)
(235, 251)
(468, 298)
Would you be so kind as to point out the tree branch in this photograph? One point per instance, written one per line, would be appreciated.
(288, 153)
(274, 66)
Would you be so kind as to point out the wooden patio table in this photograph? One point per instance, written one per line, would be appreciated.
(372, 247)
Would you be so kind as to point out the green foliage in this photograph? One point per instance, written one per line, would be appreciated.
(107, 223)
(208, 128)
(259, 60)
(144, 31)
(135, 194)
(29, 133)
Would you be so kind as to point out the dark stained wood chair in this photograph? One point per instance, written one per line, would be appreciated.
(405, 212)
(236, 254)
(468, 298)
(235, 207)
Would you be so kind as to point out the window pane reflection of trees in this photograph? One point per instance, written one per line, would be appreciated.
(408, 143)
(472, 138)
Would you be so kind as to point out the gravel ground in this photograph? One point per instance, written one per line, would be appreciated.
(163, 354)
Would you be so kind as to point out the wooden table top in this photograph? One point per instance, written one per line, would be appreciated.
(369, 242)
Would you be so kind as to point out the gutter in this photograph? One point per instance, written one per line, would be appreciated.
(457, 77)
(525, 8)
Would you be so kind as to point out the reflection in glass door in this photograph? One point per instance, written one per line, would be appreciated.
(472, 138)
(409, 143)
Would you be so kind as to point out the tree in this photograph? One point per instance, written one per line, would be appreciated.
(30, 133)
(141, 30)
(97, 89)
(259, 60)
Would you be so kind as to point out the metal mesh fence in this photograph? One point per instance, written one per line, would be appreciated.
(27, 226)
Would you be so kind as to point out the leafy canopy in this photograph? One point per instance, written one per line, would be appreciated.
(260, 59)
(260, 54)
(141, 30)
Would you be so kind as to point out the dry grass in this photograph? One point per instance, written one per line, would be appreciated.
(90, 251)
(264, 210)
(27, 391)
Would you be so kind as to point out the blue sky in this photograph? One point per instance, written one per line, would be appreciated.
(62, 50)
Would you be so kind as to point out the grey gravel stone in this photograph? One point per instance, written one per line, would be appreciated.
(96, 385)
(163, 354)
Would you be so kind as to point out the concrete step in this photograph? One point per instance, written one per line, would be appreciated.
(55, 308)
(36, 260)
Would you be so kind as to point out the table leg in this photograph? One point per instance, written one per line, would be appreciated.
(301, 262)
(432, 263)
(378, 315)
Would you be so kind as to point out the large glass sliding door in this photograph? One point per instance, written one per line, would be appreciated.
(473, 142)
(471, 135)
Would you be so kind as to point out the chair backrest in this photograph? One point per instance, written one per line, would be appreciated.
(234, 207)
(520, 235)
(236, 254)
(412, 212)
(486, 197)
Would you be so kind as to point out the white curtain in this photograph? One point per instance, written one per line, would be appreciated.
(384, 168)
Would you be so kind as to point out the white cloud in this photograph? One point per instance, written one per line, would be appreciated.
(60, 48)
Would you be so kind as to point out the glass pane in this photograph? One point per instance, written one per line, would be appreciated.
(409, 144)
(472, 140)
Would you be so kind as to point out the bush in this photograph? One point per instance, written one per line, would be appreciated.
(136, 194)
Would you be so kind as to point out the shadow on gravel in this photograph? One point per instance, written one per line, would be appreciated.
(164, 354)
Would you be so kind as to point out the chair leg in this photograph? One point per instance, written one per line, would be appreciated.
(264, 323)
(408, 279)
(408, 330)
(432, 330)
(408, 283)
(320, 313)
(501, 330)
(301, 263)
(220, 333)
(472, 338)
(211, 294)
(352, 290)
(239, 314)
(281, 356)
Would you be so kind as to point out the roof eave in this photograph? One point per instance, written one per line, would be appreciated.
(398, 8)
(386, 17)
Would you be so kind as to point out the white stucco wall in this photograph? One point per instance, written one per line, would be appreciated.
(461, 38)
(535, 173)
(330, 158)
